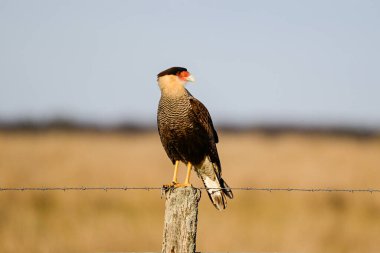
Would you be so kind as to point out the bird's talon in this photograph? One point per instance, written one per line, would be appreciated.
(171, 185)
(183, 185)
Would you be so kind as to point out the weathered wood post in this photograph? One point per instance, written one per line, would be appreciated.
(181, 217)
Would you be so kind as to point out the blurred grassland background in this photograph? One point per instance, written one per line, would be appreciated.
(114, 221)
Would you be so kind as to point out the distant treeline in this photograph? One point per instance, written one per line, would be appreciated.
(131, 127)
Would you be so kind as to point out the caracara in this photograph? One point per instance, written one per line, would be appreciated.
(188, 135)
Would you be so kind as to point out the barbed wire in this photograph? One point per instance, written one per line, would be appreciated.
(126, 188)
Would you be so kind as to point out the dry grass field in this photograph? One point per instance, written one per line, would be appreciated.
(114, 221)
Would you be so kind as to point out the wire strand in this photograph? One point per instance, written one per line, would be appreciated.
(126, 188)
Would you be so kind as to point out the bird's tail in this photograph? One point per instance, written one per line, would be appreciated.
(217, 188)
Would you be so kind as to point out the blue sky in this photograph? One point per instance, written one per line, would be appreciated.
(298, 62)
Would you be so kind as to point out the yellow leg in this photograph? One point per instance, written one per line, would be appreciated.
(174, 181)
(187, 179)
(175, 172)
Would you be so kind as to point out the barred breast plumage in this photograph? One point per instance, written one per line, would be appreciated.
(181, 136)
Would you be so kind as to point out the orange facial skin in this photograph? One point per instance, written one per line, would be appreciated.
(183, 75)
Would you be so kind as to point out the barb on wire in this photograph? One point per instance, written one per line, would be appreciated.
(147, 188)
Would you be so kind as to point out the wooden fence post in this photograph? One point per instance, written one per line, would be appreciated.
(181, 218)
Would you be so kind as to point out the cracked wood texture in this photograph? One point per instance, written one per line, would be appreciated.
(181, 217)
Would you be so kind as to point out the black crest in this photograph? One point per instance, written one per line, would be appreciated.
(171, 71)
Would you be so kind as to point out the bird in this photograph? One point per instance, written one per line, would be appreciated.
(188, 135)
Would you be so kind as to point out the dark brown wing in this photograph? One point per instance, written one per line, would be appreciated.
(204, 119)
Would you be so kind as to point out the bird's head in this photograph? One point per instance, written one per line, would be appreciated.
(173, 80)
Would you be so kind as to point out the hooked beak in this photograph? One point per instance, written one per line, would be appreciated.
(190, 78)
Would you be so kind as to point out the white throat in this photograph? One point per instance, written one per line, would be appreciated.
(171, 85)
